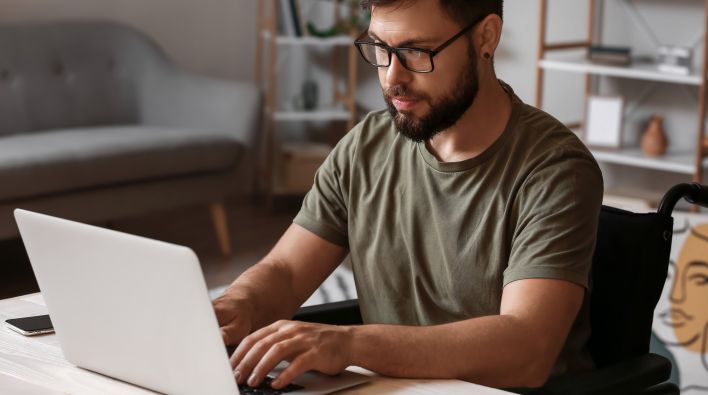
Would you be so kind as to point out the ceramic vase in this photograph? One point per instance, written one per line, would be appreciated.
(654, 141)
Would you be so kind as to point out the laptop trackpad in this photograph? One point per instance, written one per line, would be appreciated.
(315, 383)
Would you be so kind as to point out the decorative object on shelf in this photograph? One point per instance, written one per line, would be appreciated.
(308, 97)
(654, 140)
(615, 56)
(603, 121)
(310, 93)
(673, 59)
(341, 25)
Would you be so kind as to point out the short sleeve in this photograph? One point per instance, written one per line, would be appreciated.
(324, 211)
(558, 207)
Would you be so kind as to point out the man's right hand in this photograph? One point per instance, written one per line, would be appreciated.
(276, 286)
(234, 318)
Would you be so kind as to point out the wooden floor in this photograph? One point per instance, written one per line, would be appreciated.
(254, 229)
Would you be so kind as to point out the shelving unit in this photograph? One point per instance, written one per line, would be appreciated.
(691, 163)
(277, 172)
(641, 71)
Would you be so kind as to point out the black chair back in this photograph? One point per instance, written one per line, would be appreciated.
(629, 270)
(630, 264)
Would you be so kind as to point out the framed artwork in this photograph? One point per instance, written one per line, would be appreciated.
(603, 121)
(680, 328)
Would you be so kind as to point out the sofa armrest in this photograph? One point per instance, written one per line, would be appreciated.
(174, 98)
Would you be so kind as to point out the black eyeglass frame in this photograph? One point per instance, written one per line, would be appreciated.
(430, 52)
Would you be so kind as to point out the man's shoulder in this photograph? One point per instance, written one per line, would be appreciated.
(544, 136)
(376, 131)
(375, 126)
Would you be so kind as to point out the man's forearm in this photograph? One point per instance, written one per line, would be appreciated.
(496, 350)
(267, 288)
(274, 288)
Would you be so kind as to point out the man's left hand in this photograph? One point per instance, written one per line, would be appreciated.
(324, 348)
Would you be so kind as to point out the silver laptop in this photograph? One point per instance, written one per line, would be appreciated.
(136, 309)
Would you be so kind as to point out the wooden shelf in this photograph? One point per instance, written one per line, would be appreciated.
(308, 150)
(682, 162)
(289, 170)
(313, 115)
(299, 163)
(638, 71)
(341, 40)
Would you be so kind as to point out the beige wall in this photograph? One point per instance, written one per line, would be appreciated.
(215, 37)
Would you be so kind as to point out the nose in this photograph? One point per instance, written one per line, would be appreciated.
(678, 292)
(396, 74)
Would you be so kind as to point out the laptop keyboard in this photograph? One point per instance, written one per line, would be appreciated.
(265, 389)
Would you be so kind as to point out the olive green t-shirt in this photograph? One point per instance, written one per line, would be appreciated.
(433, 242)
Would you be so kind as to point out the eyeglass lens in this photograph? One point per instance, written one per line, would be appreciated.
(411, 59)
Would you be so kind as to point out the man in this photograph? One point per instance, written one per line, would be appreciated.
(469, 219)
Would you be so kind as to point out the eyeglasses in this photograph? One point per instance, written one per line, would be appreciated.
(417, 60)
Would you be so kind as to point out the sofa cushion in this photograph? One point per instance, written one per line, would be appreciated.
(71, 159)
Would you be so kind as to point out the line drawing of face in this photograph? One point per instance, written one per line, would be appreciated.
(689, 293)
(681, 316)
(663, 328)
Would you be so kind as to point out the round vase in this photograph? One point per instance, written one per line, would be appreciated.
(654, 140)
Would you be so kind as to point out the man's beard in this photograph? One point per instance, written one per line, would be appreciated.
(444, 113)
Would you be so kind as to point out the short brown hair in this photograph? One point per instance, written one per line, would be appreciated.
(462, 11)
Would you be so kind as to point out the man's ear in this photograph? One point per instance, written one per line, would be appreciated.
(487, 35)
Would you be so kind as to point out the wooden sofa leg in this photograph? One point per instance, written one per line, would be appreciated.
(221, 226)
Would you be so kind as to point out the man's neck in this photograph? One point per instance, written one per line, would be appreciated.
(478, 128)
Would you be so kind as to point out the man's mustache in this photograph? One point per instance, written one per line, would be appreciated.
(403, 91)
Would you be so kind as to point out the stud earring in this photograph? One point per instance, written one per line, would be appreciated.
(487, 55)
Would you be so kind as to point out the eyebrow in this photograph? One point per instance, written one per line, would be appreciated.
(405, 43)
(698, 263)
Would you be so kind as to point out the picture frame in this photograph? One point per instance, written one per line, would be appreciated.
(604, 118)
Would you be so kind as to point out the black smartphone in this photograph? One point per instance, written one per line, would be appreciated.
(30, 326)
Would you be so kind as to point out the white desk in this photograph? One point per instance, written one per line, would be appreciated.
(36, 365)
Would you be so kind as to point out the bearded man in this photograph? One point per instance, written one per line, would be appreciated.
(469, 218)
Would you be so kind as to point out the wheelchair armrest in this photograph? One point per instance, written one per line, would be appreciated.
(336, 313)
(626, 377)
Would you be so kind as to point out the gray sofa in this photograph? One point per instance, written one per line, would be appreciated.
(97, 124)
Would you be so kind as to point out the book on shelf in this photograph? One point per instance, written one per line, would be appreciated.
(295, 16)
(291, 25)
(613, 56)
(675, 60)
